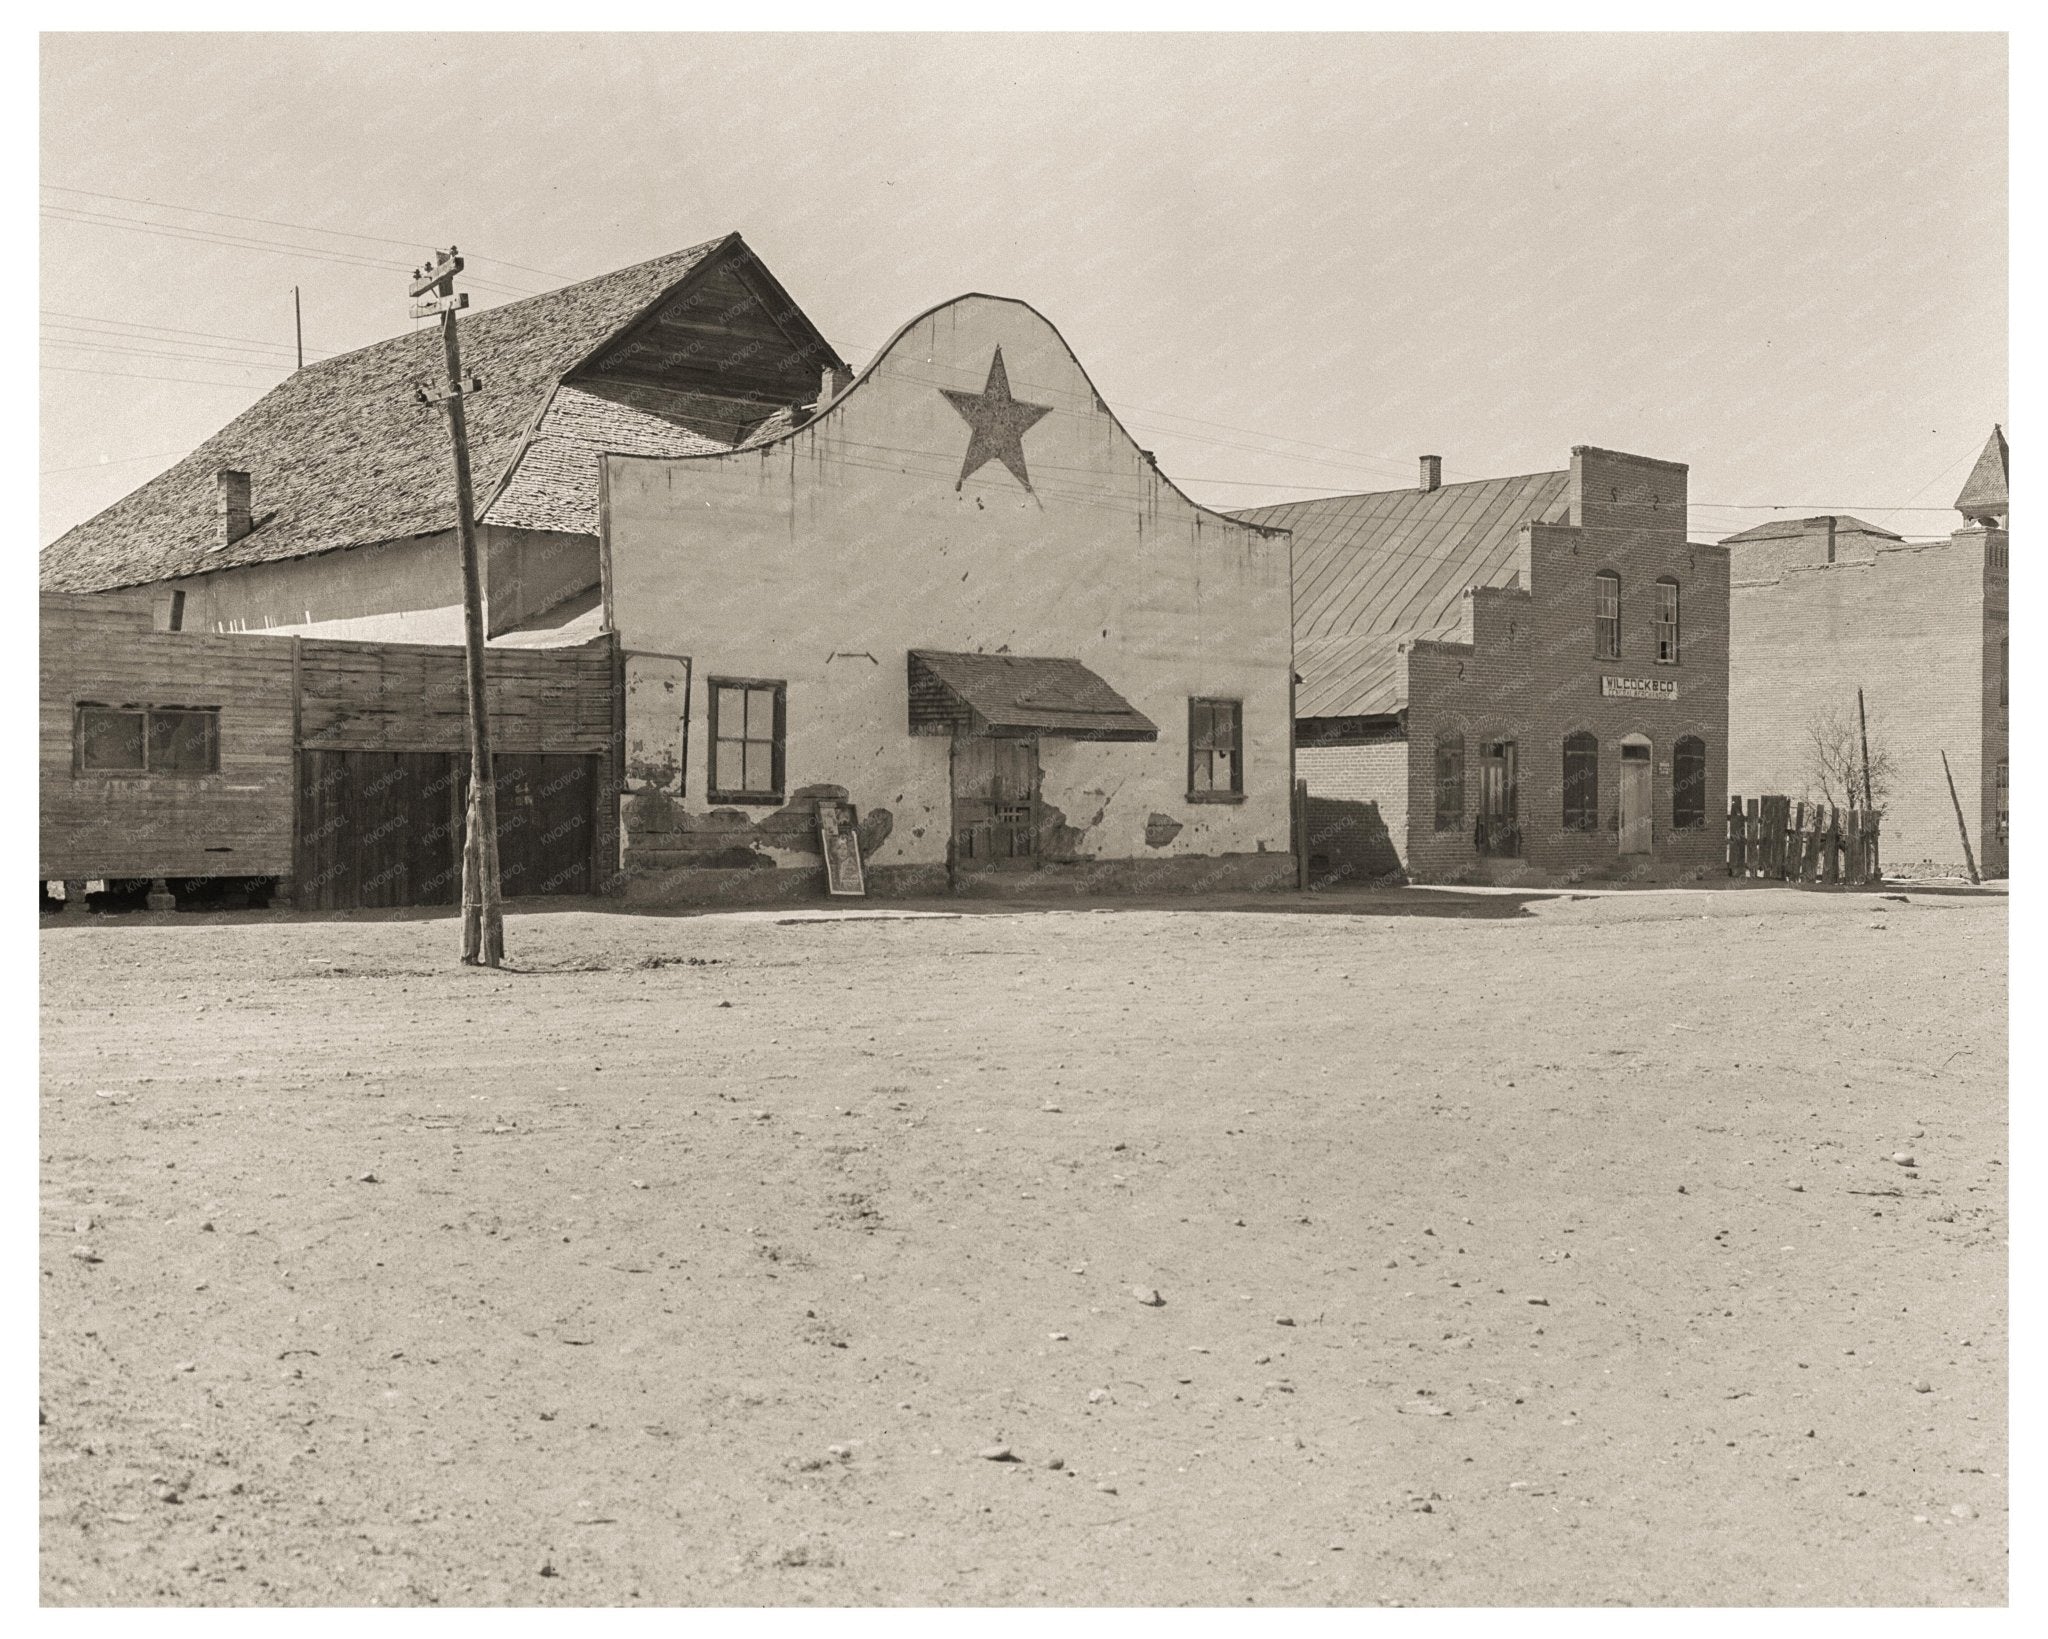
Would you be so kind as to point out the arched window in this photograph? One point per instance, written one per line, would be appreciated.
(1689, 784)
(1450, 782)
(1607, 615)
(1581, 782)
(1667, 622)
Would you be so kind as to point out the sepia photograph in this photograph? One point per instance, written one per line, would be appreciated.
(1061, 820)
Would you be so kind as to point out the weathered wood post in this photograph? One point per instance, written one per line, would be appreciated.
(483, 920)
(1734, 836)
(1969, 858)
(1301, 837)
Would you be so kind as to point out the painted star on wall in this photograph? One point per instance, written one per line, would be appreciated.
(999, 422)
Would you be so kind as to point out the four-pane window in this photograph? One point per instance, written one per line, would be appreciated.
(747, 720)
(147, 740)
(1215, 748)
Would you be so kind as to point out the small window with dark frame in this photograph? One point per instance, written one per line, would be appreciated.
(1689, 784)
(1667, 622)
(147, 740)
(1607, 615)
(747, 733)
(1581, 782)
(1450, 782)
(1215, 749)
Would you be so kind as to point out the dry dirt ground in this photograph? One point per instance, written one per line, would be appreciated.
(1550, 1258)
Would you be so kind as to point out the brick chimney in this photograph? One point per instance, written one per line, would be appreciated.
(234, 505)
(1432, 473)
(1831, 540)
(834, 381)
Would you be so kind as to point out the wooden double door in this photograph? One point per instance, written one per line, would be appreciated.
(995, 802)
(384, 828)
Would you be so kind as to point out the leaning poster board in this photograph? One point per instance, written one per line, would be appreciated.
(840, 843)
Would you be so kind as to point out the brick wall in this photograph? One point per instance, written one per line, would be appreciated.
(1994, 856)
(1530, 674)
(1917, 628)
(1358, 809)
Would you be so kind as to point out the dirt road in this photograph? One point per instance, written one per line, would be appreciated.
(1550, 1259)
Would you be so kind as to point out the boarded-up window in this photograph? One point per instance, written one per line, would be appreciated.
(147, 739)
(1215, 748)
(1689, 784)
(1450, 782)
(746, 740)
(111, 741)
(1667, 622)
(183, 741)
(1581, 782)
(1607, 615)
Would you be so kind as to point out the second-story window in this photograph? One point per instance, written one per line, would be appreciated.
(1607, 615)
(1667, 622)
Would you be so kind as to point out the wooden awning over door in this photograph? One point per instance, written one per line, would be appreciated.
(988, 694)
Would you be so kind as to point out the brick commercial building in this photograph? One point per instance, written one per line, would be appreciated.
(1519, 678)
(1822, 607)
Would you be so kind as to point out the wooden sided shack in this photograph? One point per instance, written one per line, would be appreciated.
(331, 775)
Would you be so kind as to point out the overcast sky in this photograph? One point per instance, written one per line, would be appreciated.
(1293, 263)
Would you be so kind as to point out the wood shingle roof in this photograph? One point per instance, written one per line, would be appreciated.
(342, 453)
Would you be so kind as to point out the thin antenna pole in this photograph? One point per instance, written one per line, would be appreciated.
(298, 328)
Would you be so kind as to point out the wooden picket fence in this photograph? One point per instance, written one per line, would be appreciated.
(1779, 840)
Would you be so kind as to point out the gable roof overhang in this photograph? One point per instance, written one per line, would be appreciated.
(343, 454)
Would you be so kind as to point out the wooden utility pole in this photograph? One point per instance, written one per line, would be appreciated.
(298, 328)
(1969, 858)
(1863, 732)
(483, 918)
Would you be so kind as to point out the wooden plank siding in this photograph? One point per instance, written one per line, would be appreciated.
(332, 755)
(236, 822)
(391, 697)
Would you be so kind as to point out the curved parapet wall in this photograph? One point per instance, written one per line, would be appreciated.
(969, 492)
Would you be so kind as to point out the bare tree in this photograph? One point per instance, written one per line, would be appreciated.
(1834, 761)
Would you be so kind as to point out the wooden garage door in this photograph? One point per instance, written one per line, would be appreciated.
(547, 811)
(384, 828)
(378, 828)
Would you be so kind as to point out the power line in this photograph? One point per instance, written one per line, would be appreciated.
(87, 320)
(60, 334)
(118, 461)
(156, 353)
(415, 245)
(166, 230)
(131, 375)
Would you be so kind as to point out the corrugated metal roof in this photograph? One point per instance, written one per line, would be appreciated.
(1372, 571)
(1352, 676)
